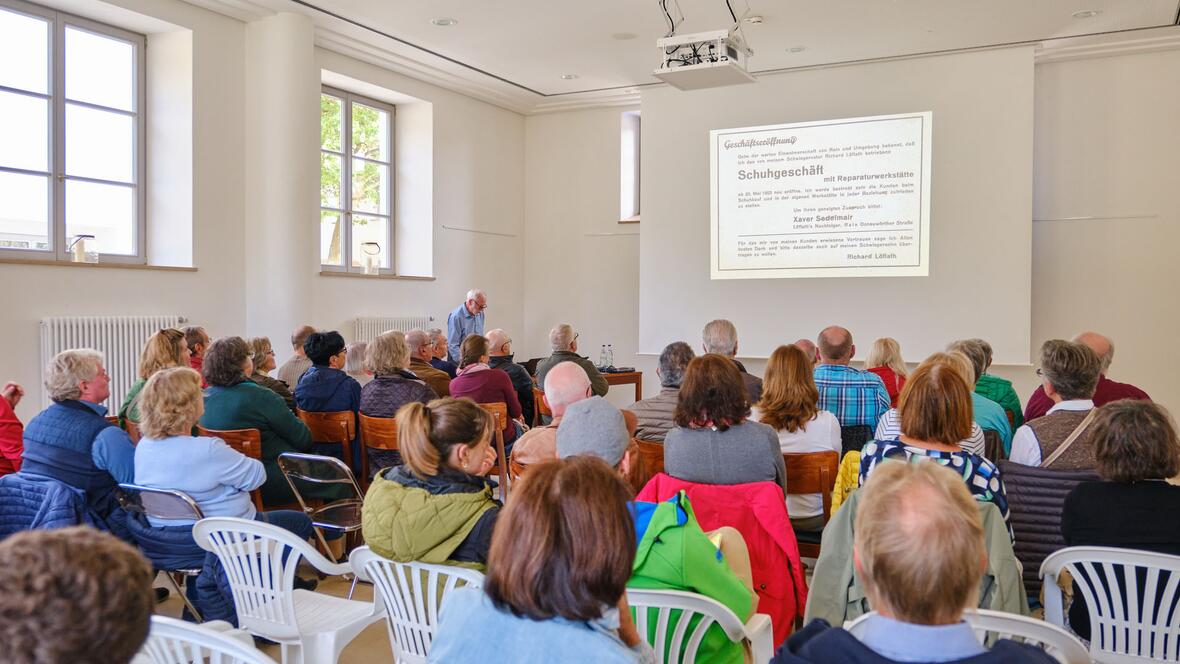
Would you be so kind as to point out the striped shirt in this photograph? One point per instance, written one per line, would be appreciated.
(889, 428)
(855, 397)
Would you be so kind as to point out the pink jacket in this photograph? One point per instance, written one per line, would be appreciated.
(757, 510)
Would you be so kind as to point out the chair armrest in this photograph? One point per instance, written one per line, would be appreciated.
(761, 635)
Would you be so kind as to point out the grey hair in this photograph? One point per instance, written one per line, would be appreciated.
(974, 352)
(561, 337)
(1071, 368)
(474, 294)
(67, 369)
(673, 361)
(987, 349)
(354, 359)
(720, 336)
(417, 338)
(435, 333)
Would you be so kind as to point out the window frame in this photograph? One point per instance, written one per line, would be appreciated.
(346, 211)
(56, 144)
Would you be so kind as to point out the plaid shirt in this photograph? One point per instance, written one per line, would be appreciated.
(855, 397)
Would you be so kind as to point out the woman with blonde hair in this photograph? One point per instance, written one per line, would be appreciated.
(436, 507)
(262, 355)
(166, 348)
(789, 405)
(885, 360)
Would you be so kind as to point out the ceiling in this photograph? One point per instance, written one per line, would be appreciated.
(517, 51)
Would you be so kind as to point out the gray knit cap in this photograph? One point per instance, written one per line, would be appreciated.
(593, 426)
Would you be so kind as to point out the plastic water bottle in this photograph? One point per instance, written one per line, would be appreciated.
(602, 357)
(610, 355)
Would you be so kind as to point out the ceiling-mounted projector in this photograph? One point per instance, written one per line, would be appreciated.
(703, 60)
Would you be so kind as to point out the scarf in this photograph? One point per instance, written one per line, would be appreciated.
(472, 368)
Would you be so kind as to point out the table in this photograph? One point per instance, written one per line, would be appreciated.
(627, 378)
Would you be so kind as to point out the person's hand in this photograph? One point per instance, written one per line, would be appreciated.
(627, 632)
(12, 393)
(489, 460)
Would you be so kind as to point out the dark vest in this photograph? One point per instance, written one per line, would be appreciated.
(59, 443)
(1052, 430)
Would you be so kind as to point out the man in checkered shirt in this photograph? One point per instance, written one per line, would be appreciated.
(855, 397)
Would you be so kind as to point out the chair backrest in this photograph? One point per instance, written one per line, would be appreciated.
(990, 625)
(132, 429)
(245, 441)
(853, 438)
(993, 446)
(158, 503)
(413, 594)
(173, 641)
(260, 561)
(499, 411)
(541, 405)
(814, 472)
(318, 470)
(330, 427)
(1036, 499)
(652, 454)
(663, 618)
(1132, 597)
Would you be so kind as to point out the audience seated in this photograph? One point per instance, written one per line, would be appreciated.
(198, 341)
(233, 401)
(565, 385)
(392, 387)
(720, 338)
(1069, 371)
(714, 441)
(437, 507)
(438, 353)
(500, 357)
(71, 440)
(885, 360)
(354, 362)
(1107, 390)
(421, 350)
(855, 397)
(557, 575)
(262, 356)
(1134, 507)
(483, 384)
(72, 595)
(789, 405)
(325, 388)
(935, 415)
(998, 389)
(988, 414)
(674, 553)
(889, 427)
(465, 320)
(809, 349)
(292, 370)
(919, 552)
(564, 342)
(11, 430)
(654, 414)
(166, 348)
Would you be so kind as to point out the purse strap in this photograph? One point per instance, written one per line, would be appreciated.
(1077, 432)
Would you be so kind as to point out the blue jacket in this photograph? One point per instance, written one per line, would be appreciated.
(323, 389)
(29, 501)
(173, 547)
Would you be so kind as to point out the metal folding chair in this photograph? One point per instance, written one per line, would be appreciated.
(163, 504)
(342, 515)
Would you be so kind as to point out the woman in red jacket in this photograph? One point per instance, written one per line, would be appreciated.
(885, 360)
(483, 384)
(11, 430)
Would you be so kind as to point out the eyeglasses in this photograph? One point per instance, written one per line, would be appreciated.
(1040, 373)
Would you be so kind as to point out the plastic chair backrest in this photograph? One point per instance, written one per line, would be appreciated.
(990, 625)
(245, 441)
(413, 594)
(1129, 622)
(669, 634)
(499, 411)
(158, 503)
(173, 641)
(814, 472)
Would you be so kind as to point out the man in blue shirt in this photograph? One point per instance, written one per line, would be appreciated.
(466, 319)
(855, 397)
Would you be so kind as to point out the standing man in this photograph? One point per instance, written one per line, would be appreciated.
(466, 319)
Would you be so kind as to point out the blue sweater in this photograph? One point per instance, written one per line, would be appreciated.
(216, 476)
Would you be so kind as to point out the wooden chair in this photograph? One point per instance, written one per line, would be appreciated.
(246, 441)
(378, 433)
(651, 461)
(993, 447)
(132, 429)
(333, 427)
(814, 472)
(499, 412)
(112, 419)
(516, 469)
(540, 407)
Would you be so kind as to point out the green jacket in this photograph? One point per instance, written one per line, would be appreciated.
(1000, 390)
(408, 519)
(130, 408)
(675, 554)
(598, 384)
(837, 594)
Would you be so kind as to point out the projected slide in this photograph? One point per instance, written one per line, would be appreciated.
(839, 198)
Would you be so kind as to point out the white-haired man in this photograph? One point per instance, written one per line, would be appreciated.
(439, 359)
(1108, 390)
(467, 318)
(500, 357)
(564, 342)
(421, 351)
(720, 337)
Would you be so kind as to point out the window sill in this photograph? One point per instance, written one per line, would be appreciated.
(630, 220)
(358, 275)
(120, 266)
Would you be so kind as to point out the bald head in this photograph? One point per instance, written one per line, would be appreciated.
(1102, 346)
(808, 348)
(499, 343)
(835, 345)
(565, 384)
(421, 344)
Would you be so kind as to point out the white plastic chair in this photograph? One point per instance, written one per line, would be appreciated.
(1131, 628)
(1057, 642)
(413, 594)
(674, 644)
(310, 627)
(173, 641)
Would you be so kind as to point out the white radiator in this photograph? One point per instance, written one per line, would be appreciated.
(120, 338)
(368, 328)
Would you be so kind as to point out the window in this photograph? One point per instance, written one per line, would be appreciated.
(72, 154)
(356, 183)
(629, 168)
